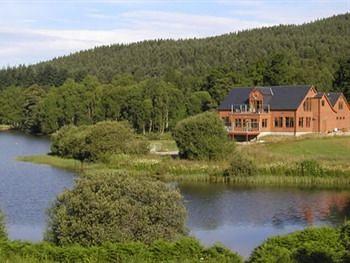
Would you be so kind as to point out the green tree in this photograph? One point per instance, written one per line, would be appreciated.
(220, 81)
(202, 136)
(200, 101)
(116, 208)
(105, 138)
(30, 121)
(11, 101)
(342, 78)
(280, 70)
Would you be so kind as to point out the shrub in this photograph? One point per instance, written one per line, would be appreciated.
(116, 208)
(64, 140)
(96, 141)
(3, 233)
(202, 136)
(310, 245)
(183, 250)
(345, 235)
(309, 168)
(240, 165)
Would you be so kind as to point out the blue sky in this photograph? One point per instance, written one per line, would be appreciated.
(32, 31)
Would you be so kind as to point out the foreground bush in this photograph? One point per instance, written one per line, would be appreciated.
(183, 250)
(313, 245)
(240, 165)
(116, 208)
(92, 142)
(3, 233)
(202, 136)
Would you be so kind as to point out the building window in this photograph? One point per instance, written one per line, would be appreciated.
(264, 123)
(238, 123)
(279, 122)
(254, 123)
(289, 122)
(301, 122)
(322, 103)
(308, 122)
(340, 105)
(307, 104)
(227, 121)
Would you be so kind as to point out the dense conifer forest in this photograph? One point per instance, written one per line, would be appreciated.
(154, 84)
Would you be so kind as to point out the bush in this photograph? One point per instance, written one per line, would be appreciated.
(310, 245)
(96, 141)
(183, 250)
(202, 136)
(3, 233)
(116, 208)
(240, 166)
(345, 235)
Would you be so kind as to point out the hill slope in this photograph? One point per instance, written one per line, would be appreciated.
(308, 53)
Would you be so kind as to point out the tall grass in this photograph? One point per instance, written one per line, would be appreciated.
(167, 169)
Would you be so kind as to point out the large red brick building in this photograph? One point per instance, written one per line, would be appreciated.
(283, 110)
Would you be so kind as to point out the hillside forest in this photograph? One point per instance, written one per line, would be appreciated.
(154, 84)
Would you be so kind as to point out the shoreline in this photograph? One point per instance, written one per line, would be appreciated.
(331, 182)
(5, 127)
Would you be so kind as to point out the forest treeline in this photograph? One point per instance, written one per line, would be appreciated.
(153, 84)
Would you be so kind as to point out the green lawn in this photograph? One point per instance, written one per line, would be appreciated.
(331, 148)
(332, 151)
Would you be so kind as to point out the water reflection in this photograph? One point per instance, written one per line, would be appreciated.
(242, 217)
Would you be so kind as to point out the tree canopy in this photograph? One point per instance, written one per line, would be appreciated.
(202, 136)
(93, 142)
(116, 208)
(154, 84)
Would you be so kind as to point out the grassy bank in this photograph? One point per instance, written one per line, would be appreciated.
(184, 171)
(275, 160)
(62, 163)
(4, 127)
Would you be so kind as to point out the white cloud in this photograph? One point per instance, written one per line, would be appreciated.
(141, 25)
(29, 41)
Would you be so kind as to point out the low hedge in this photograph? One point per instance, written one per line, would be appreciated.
(183, 250)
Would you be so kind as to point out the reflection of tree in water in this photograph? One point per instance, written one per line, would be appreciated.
(339, 212)
(332, 208)
(211, 206)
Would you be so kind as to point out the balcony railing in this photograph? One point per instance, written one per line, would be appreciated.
(246, 108)
(249, 127)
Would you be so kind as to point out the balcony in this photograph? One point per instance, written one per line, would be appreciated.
(250, 127)
(246, 109)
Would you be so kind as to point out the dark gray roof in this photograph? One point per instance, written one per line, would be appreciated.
(333, 97)
(278, 97)
(319, 95)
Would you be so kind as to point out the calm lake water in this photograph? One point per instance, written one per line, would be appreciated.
(26, 190)
(239, 217)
